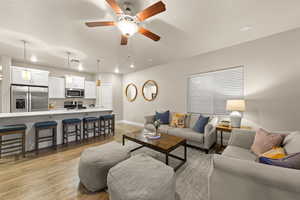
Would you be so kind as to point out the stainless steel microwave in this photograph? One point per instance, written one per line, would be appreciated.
(74, 93)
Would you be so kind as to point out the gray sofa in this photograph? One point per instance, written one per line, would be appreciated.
(203, 141)
(235, 175)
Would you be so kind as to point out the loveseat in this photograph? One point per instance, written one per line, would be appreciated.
(204, 141)
(236, 175)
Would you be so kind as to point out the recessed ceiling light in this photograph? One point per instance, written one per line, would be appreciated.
(246, 28)
(117, 70)
(33, 58)
(1, 68)
(80, 67)
(132, 66)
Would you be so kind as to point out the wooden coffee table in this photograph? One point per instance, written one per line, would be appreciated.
(165, 144)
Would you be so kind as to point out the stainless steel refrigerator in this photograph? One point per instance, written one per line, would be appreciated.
(28, 98)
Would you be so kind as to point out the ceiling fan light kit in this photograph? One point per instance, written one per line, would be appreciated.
(129, 25)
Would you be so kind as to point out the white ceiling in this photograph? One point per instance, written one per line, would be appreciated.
(187, 28)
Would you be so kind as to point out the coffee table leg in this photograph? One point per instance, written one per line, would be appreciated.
(185, 152)
(167, 158)
(123, 140)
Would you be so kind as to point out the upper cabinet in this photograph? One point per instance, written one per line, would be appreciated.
(56, 88)
(75, 82)
(27, 76)
(90, 90)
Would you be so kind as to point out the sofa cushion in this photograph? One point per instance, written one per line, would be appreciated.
(178, 120)
(200, 124)
(240, 153)
(290, 161)
(186, 133)
(275, 153)
(164, 117)
(265, 141)
(291, 143)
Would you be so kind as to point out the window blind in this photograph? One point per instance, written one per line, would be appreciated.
(208, 92)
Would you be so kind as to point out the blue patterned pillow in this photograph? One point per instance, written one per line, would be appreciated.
(291, 161)
(164, 117)
(200, 124)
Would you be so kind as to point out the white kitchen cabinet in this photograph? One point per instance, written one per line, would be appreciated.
(75, 82)
(90, 90)
(28, 76)
(56, 88)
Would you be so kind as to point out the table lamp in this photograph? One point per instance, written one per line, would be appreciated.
(236, 107)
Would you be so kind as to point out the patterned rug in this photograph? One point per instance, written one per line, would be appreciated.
(191, 178)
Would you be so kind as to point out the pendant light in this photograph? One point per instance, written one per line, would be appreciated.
(98, 81)
(26, 75)
(68, 78)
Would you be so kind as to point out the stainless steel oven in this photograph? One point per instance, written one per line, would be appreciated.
(74, 93)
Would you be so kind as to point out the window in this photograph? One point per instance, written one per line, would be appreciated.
(208, 92)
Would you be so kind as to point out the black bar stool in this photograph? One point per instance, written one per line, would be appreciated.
(15, 144)
(107, 124)
(89, 125)
(52, 125)
(67, 132)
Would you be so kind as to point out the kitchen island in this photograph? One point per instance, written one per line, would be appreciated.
(30, 118)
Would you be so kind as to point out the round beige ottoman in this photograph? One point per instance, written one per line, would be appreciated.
(95, 163)
(141, 177)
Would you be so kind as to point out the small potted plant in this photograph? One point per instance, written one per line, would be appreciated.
(156, 124)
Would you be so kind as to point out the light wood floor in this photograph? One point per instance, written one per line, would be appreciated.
(50, 175)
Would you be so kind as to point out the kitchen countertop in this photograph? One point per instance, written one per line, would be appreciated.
(52, 112)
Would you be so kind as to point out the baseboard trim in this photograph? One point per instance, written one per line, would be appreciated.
(131, 123)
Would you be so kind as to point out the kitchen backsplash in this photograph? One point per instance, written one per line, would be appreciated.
(59, 103)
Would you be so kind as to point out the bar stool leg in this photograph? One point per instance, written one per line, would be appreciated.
(80, 131)
(76, 132)
(54, 131)
(94, 129)
(0, 147)
(113, 125)
(23, 143)
(37, 141)
(66, 134)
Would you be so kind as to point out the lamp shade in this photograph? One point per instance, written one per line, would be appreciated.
(235, 105)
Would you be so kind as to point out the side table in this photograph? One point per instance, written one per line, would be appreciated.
(220, 129)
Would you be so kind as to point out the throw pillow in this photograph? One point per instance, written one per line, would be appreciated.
(200, 124)
(178, 120)
(265, 141)
(291, 161)
(275, 153)
(164, 117)
(291, 143)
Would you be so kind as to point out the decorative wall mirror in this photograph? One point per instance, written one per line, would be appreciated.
(150, 90)
(131, 92)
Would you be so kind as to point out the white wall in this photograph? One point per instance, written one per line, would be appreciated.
(117, 94)
(272, 78)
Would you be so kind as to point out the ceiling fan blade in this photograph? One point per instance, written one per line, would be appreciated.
(95, 24)
(151, 11)
(115, 6)
(149, 34)
(124, 40)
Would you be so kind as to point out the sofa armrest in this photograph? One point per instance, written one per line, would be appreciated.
(242, 138)
(149, 119)
(251, 180)
(210, 135)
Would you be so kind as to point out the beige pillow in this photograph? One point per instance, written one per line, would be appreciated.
(178, 120)
(265, 141)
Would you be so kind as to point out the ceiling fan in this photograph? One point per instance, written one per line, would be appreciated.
(129, 24)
